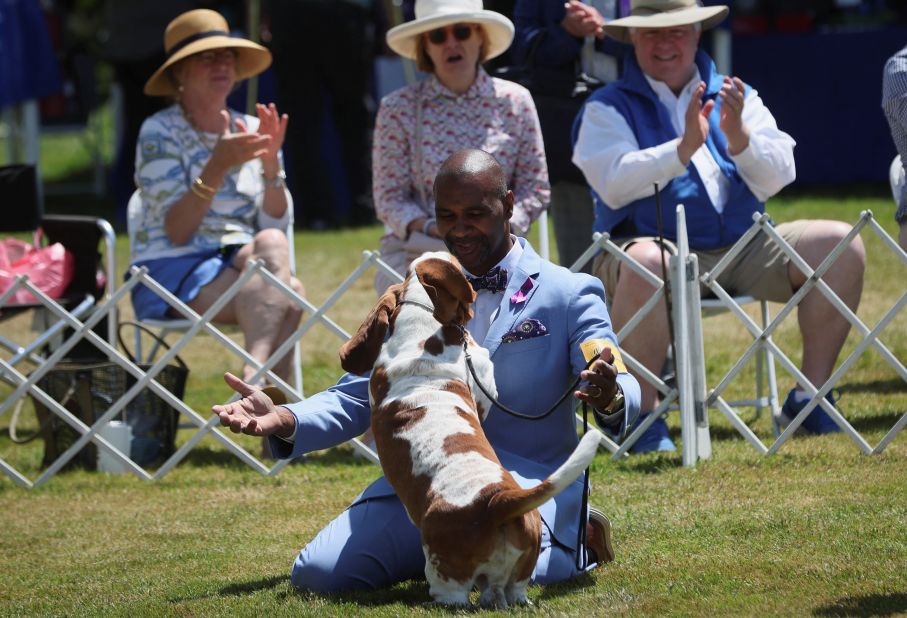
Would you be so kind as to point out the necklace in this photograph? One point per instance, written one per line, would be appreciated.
(206, 138)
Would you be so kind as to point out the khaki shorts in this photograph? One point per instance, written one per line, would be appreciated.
(760, 270)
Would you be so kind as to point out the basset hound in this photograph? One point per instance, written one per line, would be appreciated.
(478, 527)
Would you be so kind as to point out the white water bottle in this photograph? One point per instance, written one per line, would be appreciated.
(119, 434)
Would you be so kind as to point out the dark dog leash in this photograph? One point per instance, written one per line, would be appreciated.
(511, 411)
(669, 292)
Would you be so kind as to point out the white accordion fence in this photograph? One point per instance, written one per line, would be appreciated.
(690, 393)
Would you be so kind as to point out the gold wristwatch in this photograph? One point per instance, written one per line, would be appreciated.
(617, 403)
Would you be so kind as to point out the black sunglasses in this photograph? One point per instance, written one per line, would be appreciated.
(461, 32)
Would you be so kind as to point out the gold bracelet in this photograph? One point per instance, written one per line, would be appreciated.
(200, 193)
(198, 182)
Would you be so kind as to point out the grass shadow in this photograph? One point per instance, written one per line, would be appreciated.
(865, 606)
(729, 432)
(239, 589)
(413, 593)
(878, 422)
(651, 463)
(876, 387)
(235, 590)
(553, 591)
(204, 457)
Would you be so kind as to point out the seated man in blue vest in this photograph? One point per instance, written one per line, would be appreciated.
(711, 144)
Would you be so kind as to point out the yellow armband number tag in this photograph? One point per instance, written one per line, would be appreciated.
(595, 346)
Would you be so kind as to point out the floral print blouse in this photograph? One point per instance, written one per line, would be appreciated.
(494, 115)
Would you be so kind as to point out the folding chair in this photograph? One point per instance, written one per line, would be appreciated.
(688, 332)
(87, 298)
(165, 327)
(80, 235)
(762, 336)
(765, 364)
(693, 398)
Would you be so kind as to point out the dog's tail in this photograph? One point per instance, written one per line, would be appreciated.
(509, 504)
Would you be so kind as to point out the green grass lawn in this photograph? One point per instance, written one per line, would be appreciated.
(818, 529)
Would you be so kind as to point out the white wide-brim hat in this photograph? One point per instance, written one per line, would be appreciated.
(199, 30)
(432, 14)
(664, 14)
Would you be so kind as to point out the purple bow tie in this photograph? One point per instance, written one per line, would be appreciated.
(495, 280)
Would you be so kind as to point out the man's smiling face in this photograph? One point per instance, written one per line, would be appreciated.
(667, 54)
(474, 220)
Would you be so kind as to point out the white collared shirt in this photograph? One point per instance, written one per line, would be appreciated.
(487, 304)
(620, 172)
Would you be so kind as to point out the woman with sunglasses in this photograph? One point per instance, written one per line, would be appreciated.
(458, 106)
(212, 189)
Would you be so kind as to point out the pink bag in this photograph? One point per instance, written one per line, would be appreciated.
(50, 269)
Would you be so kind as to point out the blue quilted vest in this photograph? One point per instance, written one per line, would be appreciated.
(635, 100)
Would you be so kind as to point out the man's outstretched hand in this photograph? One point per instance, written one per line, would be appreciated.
(255, 414)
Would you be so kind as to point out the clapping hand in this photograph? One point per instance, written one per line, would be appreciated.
(582, 20)
(272, 124)
(732, 96)
(696, 125)
(236, 147)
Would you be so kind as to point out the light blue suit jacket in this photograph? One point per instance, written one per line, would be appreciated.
(531, 375)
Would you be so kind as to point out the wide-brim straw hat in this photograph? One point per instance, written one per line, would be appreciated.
(197, 31)
(664, 14)
(432, 14)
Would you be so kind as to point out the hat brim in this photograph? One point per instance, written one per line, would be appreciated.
(499, 30)
(251, 60)
(708, 16)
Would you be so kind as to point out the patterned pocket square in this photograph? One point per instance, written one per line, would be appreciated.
(527, 329)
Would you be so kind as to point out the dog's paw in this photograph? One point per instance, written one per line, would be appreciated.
(516, 595)
(493, 596)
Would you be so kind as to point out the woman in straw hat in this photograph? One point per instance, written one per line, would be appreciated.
(458, 106)
(212, 188)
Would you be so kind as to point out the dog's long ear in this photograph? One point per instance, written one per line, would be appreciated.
(359, 354)
(448, 289)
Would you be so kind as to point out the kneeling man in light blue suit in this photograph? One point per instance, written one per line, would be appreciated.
(540, 330)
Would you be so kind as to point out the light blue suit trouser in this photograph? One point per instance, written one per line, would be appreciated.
(373, 544)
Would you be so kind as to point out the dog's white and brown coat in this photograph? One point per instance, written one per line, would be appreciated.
(478, 527)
